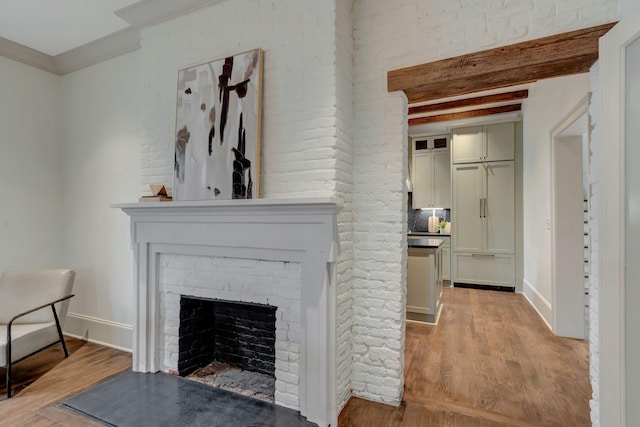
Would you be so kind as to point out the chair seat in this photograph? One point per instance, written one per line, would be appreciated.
(26, 338)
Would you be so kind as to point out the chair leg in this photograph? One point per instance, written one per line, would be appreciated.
(8, 381)
(64, 345)
(8, 359)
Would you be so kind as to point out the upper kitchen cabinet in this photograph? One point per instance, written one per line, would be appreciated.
(488, 143)
(431, 172)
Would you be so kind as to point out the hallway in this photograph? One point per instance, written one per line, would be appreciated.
(491, 361)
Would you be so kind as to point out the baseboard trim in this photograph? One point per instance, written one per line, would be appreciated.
(99, 331)
(539, 303)
(485, 287)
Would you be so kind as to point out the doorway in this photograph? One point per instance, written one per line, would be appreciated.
(570, 241)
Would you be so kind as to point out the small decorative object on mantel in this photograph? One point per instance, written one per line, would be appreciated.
(217, 153)
(159, 194)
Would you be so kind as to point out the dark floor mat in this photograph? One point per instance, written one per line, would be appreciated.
(136, 399)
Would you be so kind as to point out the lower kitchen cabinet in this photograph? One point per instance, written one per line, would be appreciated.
(446, 258)
(484, 269)
(424, 283)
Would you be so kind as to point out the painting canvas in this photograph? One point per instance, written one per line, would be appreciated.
(217, 152)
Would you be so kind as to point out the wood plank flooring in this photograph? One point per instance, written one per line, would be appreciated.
(45, 380)
(491, 361)
(32, 368)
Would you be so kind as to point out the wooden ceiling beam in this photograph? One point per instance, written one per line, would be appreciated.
(559, 55)
(470, 102)
(465, 114)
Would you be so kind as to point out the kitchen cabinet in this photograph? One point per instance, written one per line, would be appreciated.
(485, 269)
(424, 280)
(484, 207)
(483, 211)
(431, 172)
(445, 248)
(486, 143)
(446, 258)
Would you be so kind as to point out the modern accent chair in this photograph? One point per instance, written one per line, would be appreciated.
(33, 306)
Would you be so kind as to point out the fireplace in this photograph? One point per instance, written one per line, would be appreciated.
(223, 250)
(244, 282)
(228, 344)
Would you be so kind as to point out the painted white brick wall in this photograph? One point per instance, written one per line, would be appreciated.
(390, 35)
(307, 109)
(299, 86)
(274, 283)
(317, 143)
(344, 192)
(594, 223)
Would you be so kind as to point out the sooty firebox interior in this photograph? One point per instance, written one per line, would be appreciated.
(237, 333)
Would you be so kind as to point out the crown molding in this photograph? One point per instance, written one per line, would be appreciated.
(26, 55)
(138, 15)
(111, 46)
(149, 12)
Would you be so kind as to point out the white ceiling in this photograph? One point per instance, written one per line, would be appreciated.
(56, 26)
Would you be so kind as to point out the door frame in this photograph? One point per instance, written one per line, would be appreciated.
(612, 187)
(557, 303)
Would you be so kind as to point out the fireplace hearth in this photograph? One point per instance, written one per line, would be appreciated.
(231, 378)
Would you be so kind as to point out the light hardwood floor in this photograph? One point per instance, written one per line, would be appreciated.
(45, 380)
(490, 362)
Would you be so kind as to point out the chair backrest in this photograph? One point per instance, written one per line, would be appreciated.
(21, 291)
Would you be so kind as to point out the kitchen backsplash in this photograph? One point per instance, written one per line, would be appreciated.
(419, 218)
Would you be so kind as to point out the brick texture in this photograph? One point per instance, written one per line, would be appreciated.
(263, 282)
(390, 35)
(307, 109)
(330, 128)
(344, 192)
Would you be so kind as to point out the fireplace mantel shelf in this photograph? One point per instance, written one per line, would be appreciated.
(244, 204)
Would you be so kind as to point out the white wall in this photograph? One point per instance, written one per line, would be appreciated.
(306, 139)
(390, 35)
(344, 192)
(594, 225)
(627, 6)
(569, 242)
(307, 107)
(548, 103)
(30, 160)
(299, 87)
(632, 227)
(101, 131)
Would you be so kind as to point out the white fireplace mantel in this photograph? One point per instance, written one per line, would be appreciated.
(294, 230)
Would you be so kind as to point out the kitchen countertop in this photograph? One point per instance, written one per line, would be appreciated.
(424, 233)
(424, 243)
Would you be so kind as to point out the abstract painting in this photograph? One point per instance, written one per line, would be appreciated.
(217, 152)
